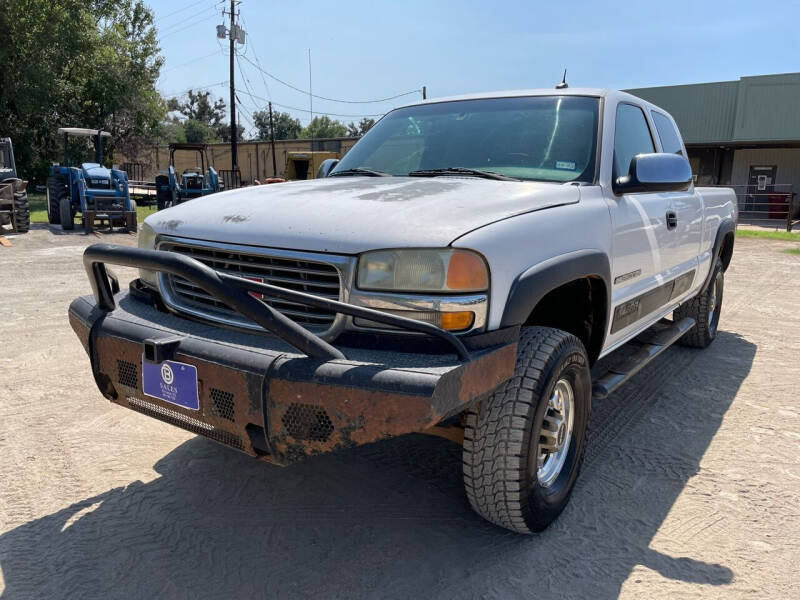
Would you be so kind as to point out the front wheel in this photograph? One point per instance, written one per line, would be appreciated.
(705, 310)
(65, 212)
(524, 445)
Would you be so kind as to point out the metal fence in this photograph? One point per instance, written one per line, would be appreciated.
(774, 205)
(230, 179)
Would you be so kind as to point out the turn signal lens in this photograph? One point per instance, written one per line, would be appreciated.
(466, 272)
(456, 321)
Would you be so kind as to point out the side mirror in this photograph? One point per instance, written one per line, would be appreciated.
(326, 167)
(658, 172)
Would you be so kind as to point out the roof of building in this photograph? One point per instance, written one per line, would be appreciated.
(760, 109)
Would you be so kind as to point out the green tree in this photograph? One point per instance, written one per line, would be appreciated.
(360, 128)
(199, 132)
(324, 127)
(79, 63)
(199, 107)
(286, 127)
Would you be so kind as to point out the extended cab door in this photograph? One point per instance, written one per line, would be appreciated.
(640, 255)
(686, 206)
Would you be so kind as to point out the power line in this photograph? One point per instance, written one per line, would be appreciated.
(187, 7)
(189, 62)
(306, 92)
(197, 89)
(188, 26)
(305, 110)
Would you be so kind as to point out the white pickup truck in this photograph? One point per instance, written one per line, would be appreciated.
(459, 272)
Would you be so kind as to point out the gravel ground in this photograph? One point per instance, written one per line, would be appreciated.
(691, 487)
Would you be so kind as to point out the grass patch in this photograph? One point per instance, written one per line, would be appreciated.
(792, 251)
(38, 204)
(768, 235)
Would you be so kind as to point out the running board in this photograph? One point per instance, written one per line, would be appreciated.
(648, 349)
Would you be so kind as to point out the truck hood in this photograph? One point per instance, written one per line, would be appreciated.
(349, 215)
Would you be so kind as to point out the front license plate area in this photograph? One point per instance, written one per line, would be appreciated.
(172, 382)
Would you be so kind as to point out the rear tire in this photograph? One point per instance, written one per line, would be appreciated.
(510, 438)
(66, 216)
(55, 191)
(22, 212)
(705, 310)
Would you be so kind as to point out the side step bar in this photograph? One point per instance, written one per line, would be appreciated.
(648, 349)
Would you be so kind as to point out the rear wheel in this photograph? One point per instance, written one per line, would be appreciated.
(524, 445)
(56, 190)
(22, 212)
(65, 211)
(705, 310)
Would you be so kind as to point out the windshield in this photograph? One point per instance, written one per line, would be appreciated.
(545, 138)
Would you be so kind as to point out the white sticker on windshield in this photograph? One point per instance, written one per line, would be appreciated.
(565, 164)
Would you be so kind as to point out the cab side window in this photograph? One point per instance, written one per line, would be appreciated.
(670, 140)
(632, 137)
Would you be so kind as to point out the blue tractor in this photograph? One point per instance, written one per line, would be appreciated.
(99, 194)
(193, 182)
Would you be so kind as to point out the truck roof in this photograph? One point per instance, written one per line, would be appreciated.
(577, 91)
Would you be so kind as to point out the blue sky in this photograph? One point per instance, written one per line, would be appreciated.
(365, 50)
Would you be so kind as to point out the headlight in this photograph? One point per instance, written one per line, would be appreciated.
(446, 270)
(147, 241)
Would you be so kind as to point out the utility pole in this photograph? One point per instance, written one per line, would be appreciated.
(234, 153)
(272, 141)
(235, 34)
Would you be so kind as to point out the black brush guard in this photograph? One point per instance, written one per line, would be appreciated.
(283, 401)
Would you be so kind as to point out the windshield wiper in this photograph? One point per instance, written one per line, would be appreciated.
(461, 171)
(359, 171)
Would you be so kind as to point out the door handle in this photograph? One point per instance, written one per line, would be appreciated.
(672, 219)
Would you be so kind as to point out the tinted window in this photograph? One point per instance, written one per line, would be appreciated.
(670, 141)
(632, 137)
(549, 138)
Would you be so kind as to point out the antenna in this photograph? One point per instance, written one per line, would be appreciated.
(563, 85)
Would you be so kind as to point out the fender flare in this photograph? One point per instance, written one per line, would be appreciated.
(726, 226)
(537, 281)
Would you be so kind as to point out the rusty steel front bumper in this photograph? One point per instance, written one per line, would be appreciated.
(259, 393)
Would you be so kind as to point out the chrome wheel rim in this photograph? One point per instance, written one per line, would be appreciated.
(556, 434)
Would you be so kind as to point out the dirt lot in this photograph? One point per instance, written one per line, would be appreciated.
(691, 486)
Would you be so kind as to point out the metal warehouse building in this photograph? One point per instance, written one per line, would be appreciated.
(745, 134)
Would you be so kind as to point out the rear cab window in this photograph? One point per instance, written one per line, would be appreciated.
(670, 139)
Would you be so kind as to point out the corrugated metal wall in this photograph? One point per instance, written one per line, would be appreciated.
(768, 108)
(705, 112)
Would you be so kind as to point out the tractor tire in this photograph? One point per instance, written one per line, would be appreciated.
(524, 445)
(704, 309)
(67, 218)
(22, 212)
(133, 226)
(56, 189)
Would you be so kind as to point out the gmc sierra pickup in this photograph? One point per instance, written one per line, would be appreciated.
(458, 272)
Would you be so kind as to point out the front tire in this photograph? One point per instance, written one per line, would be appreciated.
(22, 212)
(65, 212)
(524, 445)
(705, 310)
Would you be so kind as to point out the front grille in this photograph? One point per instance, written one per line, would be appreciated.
(318, 278)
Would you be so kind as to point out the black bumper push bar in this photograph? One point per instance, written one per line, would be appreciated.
(233, 291)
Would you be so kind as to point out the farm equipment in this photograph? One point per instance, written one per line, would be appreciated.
(193, 182)
(100, 194)
(14, 207)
